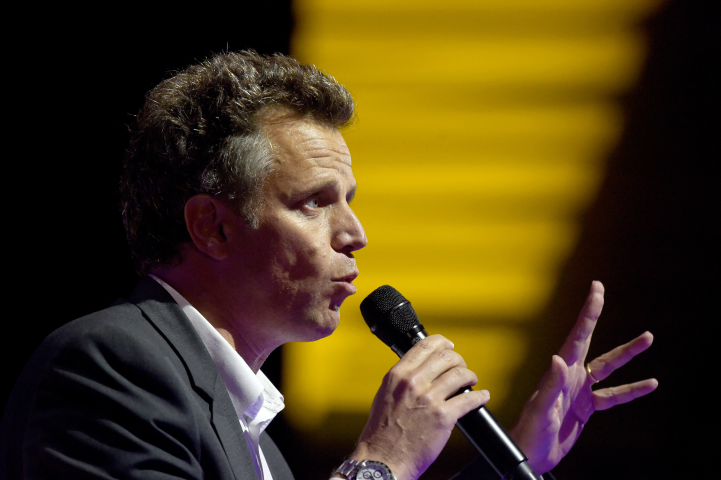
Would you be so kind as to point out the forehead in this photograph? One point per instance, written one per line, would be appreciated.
(301, 144)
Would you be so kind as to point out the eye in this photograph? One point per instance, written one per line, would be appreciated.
(312, 202)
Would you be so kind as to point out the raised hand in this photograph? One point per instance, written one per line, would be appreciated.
(554, 416)
(410, 419)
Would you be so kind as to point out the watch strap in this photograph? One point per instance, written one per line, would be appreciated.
(350, 468)
(346, 468)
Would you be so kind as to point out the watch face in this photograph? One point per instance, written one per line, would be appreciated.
(374, 471)
(371, 474)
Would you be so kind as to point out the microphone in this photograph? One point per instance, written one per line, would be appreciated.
(392, 319)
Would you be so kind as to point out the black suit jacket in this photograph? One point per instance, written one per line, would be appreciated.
(127, 392)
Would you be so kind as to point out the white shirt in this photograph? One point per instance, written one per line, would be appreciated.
(255, 399)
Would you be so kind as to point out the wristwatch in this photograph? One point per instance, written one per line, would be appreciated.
(365, 470)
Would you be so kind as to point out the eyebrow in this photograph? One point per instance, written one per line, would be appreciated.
(329, 183)
(350, 195)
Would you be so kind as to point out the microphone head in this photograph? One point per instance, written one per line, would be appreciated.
(389, 315)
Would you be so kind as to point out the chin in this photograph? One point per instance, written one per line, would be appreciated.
(324, 326)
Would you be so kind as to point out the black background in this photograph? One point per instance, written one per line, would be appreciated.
(74, 78)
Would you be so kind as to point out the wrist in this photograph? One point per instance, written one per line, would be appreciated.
(364, 470)
(366, 450)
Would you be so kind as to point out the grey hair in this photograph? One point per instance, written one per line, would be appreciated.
(249, 159)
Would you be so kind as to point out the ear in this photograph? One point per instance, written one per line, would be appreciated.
(204, 219)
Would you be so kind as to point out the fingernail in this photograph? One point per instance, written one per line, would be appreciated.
(488, 394)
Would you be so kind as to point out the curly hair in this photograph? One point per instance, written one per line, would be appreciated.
(201, 132)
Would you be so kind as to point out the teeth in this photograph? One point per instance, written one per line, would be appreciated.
(336, 307)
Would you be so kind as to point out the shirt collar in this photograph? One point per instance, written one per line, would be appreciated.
(255, 398)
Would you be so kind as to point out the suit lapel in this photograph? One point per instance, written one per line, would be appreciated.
(227, 425)
(161, 310)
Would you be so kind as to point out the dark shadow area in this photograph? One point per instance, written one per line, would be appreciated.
(75, 79)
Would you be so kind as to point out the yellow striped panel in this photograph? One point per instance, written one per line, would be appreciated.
(481, 137)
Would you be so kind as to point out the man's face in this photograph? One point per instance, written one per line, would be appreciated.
(297, 267)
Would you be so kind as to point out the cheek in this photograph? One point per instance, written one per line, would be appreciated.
(304, 260)
(300, 252)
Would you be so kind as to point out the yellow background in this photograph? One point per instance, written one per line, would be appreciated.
(481, 136)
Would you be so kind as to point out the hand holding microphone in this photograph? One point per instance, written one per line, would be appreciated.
(392, 318)
(412, 416)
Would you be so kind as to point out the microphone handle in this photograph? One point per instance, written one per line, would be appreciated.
(483, 430)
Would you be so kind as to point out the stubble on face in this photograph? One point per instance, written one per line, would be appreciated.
(298, 260)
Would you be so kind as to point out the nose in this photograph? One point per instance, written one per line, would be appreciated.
(350, 235)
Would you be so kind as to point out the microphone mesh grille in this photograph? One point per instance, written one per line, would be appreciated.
(377, 309)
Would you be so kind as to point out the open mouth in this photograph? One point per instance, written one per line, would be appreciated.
(345, 289)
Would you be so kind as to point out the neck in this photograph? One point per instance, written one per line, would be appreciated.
(254, 359)
(209, 299)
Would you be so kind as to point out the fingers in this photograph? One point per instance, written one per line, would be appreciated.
(442, 362)
(431, 358)
(461, 404)
(549, 388)
(607, 363)
(432, 371)
(609, 397)
(576, 345)
(425, 348)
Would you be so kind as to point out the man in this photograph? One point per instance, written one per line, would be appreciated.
(236, 198)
